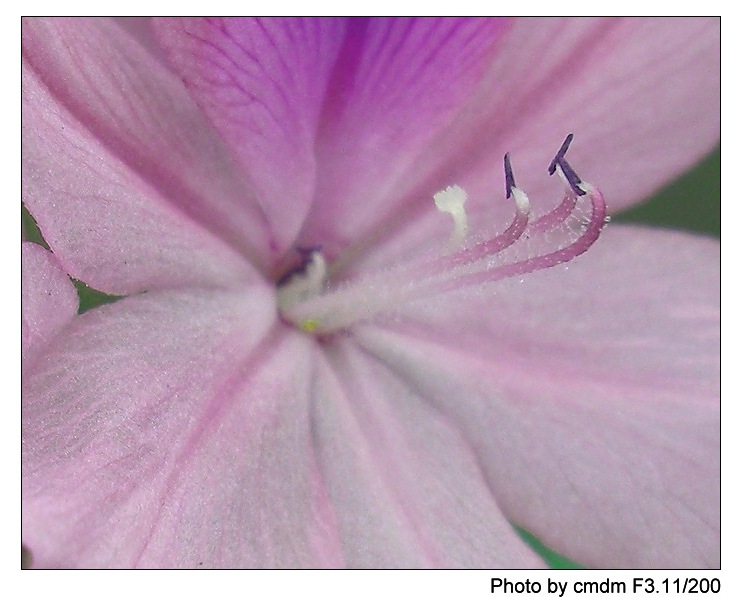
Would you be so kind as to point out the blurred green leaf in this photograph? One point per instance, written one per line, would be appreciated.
(692, 202)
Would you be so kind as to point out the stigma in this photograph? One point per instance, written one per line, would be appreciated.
(312, 302)
(451, 201)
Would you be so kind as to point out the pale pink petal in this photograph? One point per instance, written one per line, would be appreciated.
(407, 490)
(49, 299)
(106, 224)
(142, 115)
(263, 84)
(640, 95)
(591, 396)
(172, 430)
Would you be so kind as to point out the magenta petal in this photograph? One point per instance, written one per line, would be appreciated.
(407, 490)
(138, 114)
(262, 82)
(142, 29)
(172, 430)
(365, 95)
(397, 83)
(49, 300)
(591, 397)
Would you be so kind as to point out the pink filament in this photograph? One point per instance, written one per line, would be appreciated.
(557, 215)
(578, 247)
(386, 291)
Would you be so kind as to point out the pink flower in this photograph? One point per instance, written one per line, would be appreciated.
(313, 366)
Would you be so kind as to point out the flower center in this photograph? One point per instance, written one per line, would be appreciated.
(305, 282)
(308, 299)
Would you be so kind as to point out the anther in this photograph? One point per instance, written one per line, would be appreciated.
(561, 153)
(509, 178)
(306, 254)
(573, 180)
(570, 175)
(304, 282)
(522, 204)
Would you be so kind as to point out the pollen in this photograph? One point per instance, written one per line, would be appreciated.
(310, 325)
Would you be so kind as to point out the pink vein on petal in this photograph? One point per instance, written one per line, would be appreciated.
(342, 373)
(264, 351)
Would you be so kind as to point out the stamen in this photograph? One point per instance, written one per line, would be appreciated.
(376, 292)
(566, 173)
(306, 259)
(451, 201)
(489, 247)
(593, 227)
(561, 153)
(509, 178)
(557, 215)
(304, 282)
(560, 165)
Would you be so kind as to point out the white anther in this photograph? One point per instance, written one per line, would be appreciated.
(305, 284)
(451, 201)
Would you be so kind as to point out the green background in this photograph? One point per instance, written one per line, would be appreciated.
(693, 202)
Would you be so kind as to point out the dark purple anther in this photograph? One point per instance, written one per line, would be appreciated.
(306, 252)
(569, 173)
(306, 258)
(571, 176)
(561, 153)
(509, 178)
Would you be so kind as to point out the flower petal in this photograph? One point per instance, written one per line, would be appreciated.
(49, 300)
(171, 430)
(108, 226)
(407, 490)
(262, 82)
(141, 115)
(591, 397)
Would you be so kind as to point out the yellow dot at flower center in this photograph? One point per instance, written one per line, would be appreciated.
(310, 325)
